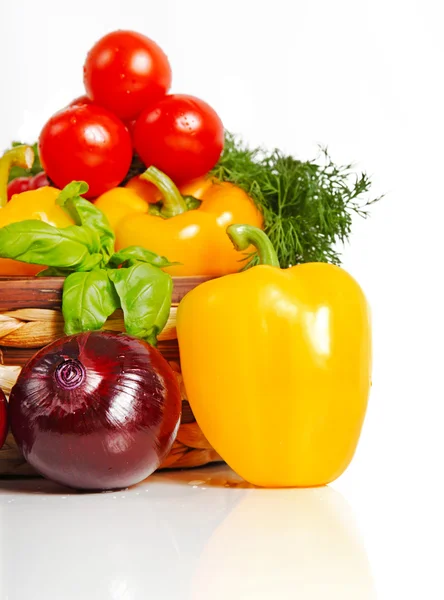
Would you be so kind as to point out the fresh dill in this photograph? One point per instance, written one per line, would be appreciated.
(308, 206)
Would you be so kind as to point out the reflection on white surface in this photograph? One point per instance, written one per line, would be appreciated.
(190, 535)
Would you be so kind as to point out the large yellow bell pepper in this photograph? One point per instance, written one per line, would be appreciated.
(277, 366)
(37, 204)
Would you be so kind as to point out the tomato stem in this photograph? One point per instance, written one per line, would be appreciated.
(19, 156)
(244, 236)
(173, 203)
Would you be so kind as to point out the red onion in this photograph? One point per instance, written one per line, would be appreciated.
(3, 418)
(97, 410)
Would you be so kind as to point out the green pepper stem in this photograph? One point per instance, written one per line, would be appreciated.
(19, 156)
(173, 202)
(244, 236)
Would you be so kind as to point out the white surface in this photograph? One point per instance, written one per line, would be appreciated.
(365, 78)
(183, 535)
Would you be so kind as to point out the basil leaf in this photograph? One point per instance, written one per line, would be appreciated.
(39, 243)
(88, 300)
(73, 189)
(133, 254)
(145, 296)
(86, 214)
(54, 272)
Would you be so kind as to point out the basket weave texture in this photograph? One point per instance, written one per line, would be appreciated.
(30, 318)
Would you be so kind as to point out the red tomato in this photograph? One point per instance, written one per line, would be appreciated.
(125, 71)
(38, 181)
(86, 143)
(80, 101)
(180, 135)
(130, 126)
(18, 185)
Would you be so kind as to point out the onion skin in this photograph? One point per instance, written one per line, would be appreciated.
(3, 418)
(96, 411)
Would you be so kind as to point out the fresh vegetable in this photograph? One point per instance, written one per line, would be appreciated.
(180, 135)
(38, 181)
(25, 170)
(125, 72)
(119, 203)
(96, 411)
(308, 206)
(144, 189)
(80, 101)
(139, 192)
(19, 156)
(3, 418)
(196, 188)
(285, 356)
(23, 184)
(88, 143)
(190, 232)
(35, 205)
(98, 279)
(18, 185)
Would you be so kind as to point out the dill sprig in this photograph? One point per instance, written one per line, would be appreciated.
(308, 206)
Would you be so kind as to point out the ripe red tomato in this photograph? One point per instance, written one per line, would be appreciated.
(38, 181)
(18, 185)
(180, 135)
(86, 143)
(125, 71)
(80, 100)
(130, 126)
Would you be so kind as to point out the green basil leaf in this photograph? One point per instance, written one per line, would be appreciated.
(73, 189)
(54, 272)
(133, 254)
(145, 296)
(88, 300)
(39, 243)
(84, 213)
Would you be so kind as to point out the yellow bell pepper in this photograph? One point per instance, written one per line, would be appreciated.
(39, 204)
(120, 202)
(277, 366)
(193, 237)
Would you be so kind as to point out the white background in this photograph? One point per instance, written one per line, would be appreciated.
(364, 77)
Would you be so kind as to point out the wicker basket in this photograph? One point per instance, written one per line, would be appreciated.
(30, 318)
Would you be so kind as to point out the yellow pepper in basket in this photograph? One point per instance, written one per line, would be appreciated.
(277, 366)
(188, 226)
(39, 204)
